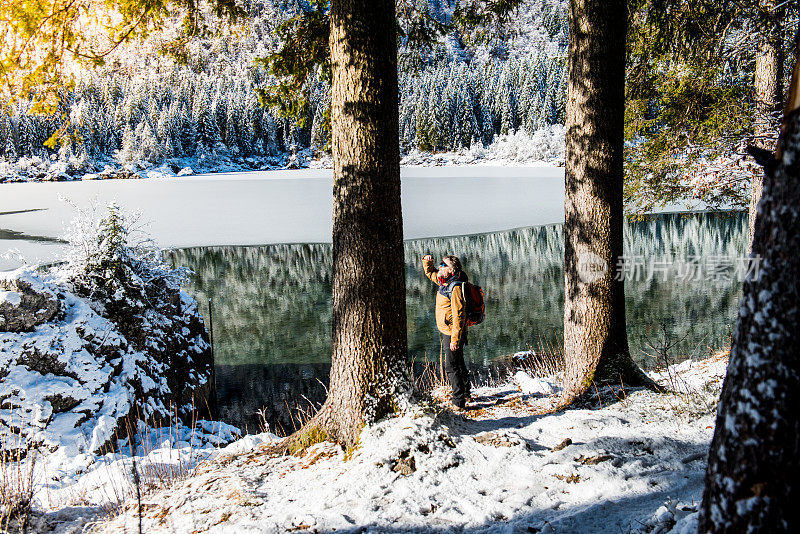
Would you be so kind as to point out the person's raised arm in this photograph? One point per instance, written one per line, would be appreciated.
(429, 270)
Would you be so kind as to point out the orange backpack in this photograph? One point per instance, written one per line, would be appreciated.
(473, 298)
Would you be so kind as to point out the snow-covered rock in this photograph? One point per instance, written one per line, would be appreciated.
(529, 385)
(674, 517)
(76, 380)
(98, 344)
(24, 302)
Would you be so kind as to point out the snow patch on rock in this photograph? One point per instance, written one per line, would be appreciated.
(536, 386)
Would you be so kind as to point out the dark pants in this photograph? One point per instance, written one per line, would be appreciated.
(456, 371)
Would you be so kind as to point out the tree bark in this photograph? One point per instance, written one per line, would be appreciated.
(769, 95)
(369, 373)
(595, 339)
(752, 478)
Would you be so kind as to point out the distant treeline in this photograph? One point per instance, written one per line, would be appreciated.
(209, 108)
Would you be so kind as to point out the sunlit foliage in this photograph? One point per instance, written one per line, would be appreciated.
(46, 41)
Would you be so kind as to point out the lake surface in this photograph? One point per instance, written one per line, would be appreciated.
(271, 298)
(259, 208)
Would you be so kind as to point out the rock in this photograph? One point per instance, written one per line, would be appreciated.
(123, 174)
(693, 457)
(447, 440)
(567, 442)
(593, 460)
(535, 386)
(83, 378)
(405, 464)
(25, 304)
(498, 440)
(62, 403)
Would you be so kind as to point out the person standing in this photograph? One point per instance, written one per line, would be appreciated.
(451, 320)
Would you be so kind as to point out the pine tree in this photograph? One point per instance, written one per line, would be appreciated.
(208, 133)
(270, 135)
(468, 127)
(369, 368)
(533, 115)
(220, 115)
(5, 131)
(595, 337)
(125, 153)
(507, 110)
(188, 131)
(163, 135)
(24, 136)
(246, 133)
(10, 151)
(320, 136)
(546, 111)
(422, 118)
(147, 146)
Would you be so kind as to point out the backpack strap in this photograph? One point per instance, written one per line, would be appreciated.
(447, 291)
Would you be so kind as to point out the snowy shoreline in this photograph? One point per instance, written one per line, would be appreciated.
(167, 170)
(545, 148)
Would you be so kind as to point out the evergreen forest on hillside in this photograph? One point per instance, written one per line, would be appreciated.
(146, 108)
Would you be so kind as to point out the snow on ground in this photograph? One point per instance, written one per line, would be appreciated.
(622, 462)
(162, 455)
(75, 490)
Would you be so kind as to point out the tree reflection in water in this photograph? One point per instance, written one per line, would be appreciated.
(272, 314)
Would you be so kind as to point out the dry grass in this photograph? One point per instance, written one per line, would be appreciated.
(140, 473)
(572, 478)
(547, 361)
(690, 400)
(430, 378)
(17, 462)
(686, 399)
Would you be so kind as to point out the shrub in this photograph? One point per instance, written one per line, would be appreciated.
(111, 261)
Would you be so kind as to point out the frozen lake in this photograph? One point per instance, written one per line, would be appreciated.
(268, 207)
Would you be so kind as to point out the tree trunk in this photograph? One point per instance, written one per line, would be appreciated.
(595, 340)
(369, 373)
(769, 95)
(753, 474)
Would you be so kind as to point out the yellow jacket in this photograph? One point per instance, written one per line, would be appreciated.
(446, 308)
